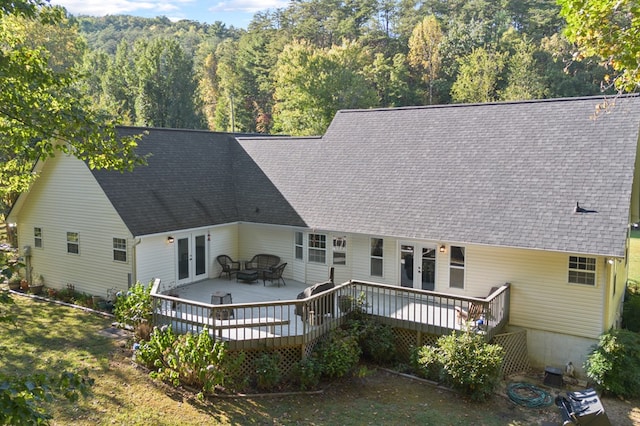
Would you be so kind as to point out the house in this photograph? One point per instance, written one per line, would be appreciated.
(451, 198)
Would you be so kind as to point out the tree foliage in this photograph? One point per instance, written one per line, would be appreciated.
(41, 109)
(312, 84)
(610, 30)
(424, 50)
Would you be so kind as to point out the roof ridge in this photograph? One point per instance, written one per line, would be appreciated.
(479, 104)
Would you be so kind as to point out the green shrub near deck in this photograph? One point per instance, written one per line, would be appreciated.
(467, 363)
(614, 364)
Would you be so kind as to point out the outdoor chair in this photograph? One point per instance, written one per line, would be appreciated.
(274, 274)
(476, 314)
(229, 266)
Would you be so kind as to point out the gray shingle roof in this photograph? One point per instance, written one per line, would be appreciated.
(506, 174)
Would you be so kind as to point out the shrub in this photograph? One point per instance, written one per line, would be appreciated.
(267, 369)
(614, 364)
(338, 354)
(469, 364)
(134, 308)
(306, 373)
(187, 359)
(376, 340)
(631, 310)
(426, 362)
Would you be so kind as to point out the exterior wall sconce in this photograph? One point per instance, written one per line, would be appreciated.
(170, 239)
(443, 248)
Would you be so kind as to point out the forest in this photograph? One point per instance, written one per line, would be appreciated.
(293, 68)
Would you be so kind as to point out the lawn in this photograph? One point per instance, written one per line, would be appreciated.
(49, 337)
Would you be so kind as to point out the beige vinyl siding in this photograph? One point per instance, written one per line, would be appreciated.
(268, 239)
(155, 258)
(224, 240)
(541, 297)
(615, 293)
(67, 198)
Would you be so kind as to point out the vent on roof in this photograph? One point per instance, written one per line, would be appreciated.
(579, 209)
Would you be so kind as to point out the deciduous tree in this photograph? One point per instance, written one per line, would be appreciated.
(609, 29)
(41, 110)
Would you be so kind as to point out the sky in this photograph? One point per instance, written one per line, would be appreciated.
(237, 13)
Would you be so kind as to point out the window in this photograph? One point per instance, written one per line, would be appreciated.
(317, 248)
(456, 267)
(582, 270)
(120, 249)
(339, 250)
(376, 257)
(37, 237)
(298, 246)
(73, 243)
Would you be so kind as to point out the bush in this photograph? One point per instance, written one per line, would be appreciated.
(469, 364)
(306, 373)
(267, 369)
(134, 308)
(631, 310)
(376, 340)
(338, 354)
(614, 364)
(187, 359)
(426, 363)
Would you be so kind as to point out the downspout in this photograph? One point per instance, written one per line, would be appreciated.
(134, 275)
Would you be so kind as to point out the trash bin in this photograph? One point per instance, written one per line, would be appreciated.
(582, 408)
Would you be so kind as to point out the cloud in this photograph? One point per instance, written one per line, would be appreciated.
(116, 7)
(248, 6)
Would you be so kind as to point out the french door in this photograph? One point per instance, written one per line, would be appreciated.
(191, 258)
(418, 266)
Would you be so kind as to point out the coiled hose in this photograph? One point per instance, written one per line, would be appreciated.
(528, 395)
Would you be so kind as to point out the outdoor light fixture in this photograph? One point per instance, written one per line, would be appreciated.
(170, 239)
(443, 248)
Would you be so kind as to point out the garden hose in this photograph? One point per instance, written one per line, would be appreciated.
(528, 395)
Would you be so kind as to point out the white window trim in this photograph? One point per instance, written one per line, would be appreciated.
(311, 247)
(77, 243)
(372, 256)
(593, 272)
(463, 267)
(36, 238)
(121, 250)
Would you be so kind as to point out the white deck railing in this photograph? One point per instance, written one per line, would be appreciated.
(298, 322)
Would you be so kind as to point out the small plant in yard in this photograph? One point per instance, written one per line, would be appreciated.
(134, 308)
(469, 364)
(267, 369)
(614, 364)
(192, 360)
(338, 353)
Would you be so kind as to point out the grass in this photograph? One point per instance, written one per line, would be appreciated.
(49, 337)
